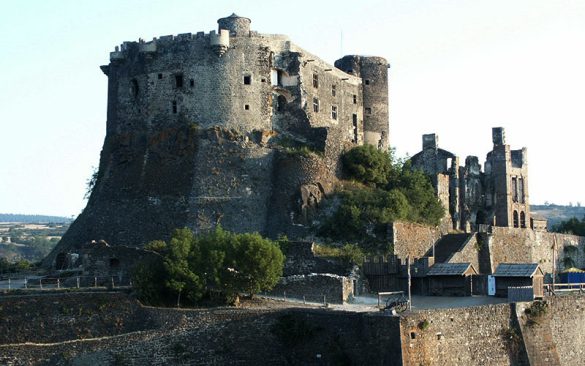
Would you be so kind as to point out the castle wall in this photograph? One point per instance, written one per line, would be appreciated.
(414, 240)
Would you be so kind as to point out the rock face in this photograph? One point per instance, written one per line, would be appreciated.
(231, 127)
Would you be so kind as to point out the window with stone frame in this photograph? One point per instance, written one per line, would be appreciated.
(333, 90)
(334, 112)
(315, 80)
(247, 79)
(315, 105)
(514, 189)
(178, 81)
(354, 99)
(515, 218)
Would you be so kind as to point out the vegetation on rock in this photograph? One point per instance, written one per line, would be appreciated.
(387, 190)
(571, 226)
(219, 264)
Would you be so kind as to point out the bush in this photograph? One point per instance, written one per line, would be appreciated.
(368, 165)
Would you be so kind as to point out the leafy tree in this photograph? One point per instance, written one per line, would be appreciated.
(218, 262)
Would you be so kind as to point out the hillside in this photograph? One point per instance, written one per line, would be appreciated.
(557, 213)
(33, 219)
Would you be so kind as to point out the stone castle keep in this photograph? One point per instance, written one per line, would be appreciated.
(202, 129)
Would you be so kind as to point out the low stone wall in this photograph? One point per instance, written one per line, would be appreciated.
(67, 316)
(315, 287)
(414, 240)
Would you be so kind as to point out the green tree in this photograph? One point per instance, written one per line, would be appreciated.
(571, 226)
(368, 165)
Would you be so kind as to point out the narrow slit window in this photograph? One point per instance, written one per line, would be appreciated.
(191, 83)
(247, 79)
(354, 99)
(247, 107)
(159, 76)
(334, 112)
(315, 105)
(134, 87)
(333, 90)
(174, 106)
(367, 82)
(315, 80)
(355, 128)
(179, 80)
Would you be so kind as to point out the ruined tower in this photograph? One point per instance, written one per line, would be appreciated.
(374, 74)
(206, 129)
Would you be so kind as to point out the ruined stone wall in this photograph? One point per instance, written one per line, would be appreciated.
(413, 239)
(462, 336)
(315, 287)
(469, 253)
(509, 245)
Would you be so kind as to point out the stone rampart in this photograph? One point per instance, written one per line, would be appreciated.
(412, 239)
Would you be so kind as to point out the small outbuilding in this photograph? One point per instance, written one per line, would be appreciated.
(451, 279)
(519, 275)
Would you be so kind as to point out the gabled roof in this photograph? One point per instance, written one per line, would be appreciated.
(518, 270)
(451, 269)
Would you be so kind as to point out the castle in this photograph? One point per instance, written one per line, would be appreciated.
(497, 196)
(214, 128)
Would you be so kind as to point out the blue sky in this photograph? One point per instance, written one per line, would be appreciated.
(458, 69)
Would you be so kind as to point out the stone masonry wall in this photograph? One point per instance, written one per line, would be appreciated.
(413, 239)
(462, 336)
(315, 287)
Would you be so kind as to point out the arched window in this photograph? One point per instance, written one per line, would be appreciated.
(515, 216)
(522, 219)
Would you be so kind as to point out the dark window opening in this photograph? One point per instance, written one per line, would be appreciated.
(247, 79)
(179, 80)
(515, 218)
(355, 128)
(354, 99)
(160, 76)
(315, 81)
(247, 107)
(521, 190)
(280, 103)
(522, 219)
(367, 82)
(174, 106)
(263, 80)
(368, 111)
(333, 112)
(61, 261)
(333, 91)
(349, 71)
(191, 83)
(412, 335)
(514, 189)
(134, 87)
(315, 105)
(114, 263)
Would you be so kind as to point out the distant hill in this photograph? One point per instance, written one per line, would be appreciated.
(36, 219)
(557, 213)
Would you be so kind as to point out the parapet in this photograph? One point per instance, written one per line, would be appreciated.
(220, 42)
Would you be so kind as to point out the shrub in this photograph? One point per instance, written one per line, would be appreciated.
(368, 165)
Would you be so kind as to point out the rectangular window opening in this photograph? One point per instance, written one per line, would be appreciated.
(367, 82)
(247, 107)
(247, 79)
(368, 111)
(315, 105)
(174, 106)
(191, 83)
(159, 76)
(333, 91)
(354, 99)
(355, 128)
(334, 112)
(179, 80)
(315, 81)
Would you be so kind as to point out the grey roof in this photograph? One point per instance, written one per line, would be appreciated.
(517, 270)
(450, 269)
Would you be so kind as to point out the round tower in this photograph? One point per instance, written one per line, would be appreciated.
(236, 25)
(374, 73)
